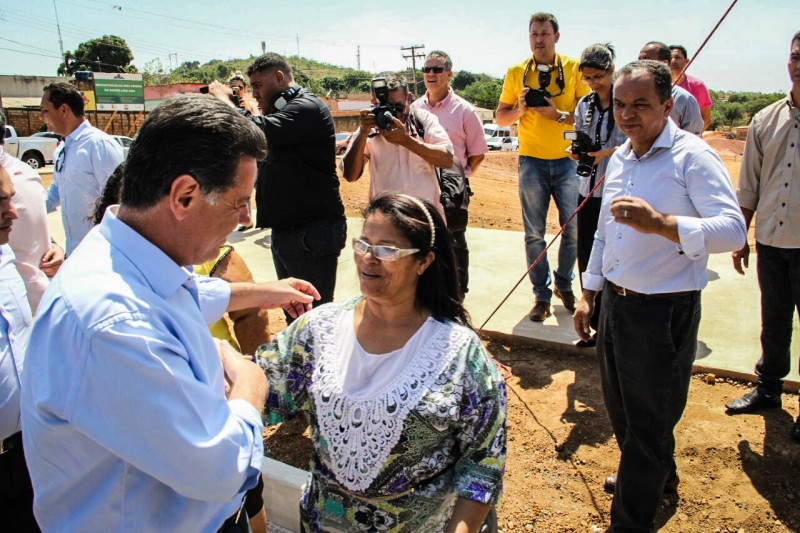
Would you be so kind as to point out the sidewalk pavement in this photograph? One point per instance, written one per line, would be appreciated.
(728, 342)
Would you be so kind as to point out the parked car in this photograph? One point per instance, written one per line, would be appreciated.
(49, 135)
(342, 142)
(125, 142)
(491, 131)
(36, 150)
(503, 144)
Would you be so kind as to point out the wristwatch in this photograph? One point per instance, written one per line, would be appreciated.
(563, 118)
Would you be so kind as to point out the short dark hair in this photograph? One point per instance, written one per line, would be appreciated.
(2, 128)
(544, 17)
(663, 50)
(796, 37)
(270, 61)
(661, 75)
(61, 92)
(110, 195)
(437, 288)
(237, 77)
(680, 48)
(599, 56)
(188, 134)
(438, 54)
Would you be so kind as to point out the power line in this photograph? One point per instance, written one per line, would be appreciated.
(414, 55)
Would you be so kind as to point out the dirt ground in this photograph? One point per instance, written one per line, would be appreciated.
(738, 474)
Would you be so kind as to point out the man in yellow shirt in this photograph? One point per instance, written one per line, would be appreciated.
(542, 92)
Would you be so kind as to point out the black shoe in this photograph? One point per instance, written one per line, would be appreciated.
(753, 401)
(670, 487)
(567, 298)
(540, 311)
(796, 430)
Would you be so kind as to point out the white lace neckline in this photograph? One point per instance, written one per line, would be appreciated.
(361, 432)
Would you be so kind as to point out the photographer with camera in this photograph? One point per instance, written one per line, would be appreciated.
(594, 140)
(241, 97)
(541, 92)
(403, 148)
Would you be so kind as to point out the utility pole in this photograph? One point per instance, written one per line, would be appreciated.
(263, 47)
(60, 40)
(414, 55)
(297, 35)
(358, 57)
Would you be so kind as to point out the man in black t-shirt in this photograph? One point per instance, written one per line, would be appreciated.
(297, 191)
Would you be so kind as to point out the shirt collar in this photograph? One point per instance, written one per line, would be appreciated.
(78, 133)
(161, 272)
(427, 101)
(664, 140)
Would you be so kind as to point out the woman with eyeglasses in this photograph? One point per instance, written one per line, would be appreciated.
(594, 116)
(407, 411)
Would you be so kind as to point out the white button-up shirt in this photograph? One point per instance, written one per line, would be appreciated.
(83, 163)
(682, 176)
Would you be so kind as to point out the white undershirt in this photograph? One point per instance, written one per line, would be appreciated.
(365, 375)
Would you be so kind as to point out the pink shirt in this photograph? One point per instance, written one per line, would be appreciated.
(397, 169)
(29, 237)
(462, 124)
(697, 89)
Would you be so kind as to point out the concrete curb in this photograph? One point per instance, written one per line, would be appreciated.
(282, 487)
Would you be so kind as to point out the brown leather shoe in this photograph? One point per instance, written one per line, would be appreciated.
(567, 298)
(753, 401)
(670, 487)
(540, 311)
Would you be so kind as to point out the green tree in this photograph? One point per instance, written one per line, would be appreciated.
(108, 53)
(732, 112)
(463, 79)
(483, 93)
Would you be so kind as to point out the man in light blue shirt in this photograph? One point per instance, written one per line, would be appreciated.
(83, 162)
(16, 493)
(667, 204)
(127, 424)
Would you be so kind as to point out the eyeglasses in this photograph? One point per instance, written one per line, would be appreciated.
(436, 70)
(382, 253)
(62, 158)
(596, 77)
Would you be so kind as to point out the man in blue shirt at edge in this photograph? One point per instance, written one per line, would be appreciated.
(16, 493)
(127, 423)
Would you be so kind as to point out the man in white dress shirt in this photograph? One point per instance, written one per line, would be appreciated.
(668, 203)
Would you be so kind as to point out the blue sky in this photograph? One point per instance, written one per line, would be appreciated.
(748, 52)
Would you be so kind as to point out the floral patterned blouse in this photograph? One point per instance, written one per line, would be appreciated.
(396, 461)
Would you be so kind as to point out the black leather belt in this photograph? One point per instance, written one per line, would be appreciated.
(622, 291)
(11, 443)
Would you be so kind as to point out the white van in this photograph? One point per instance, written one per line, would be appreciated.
(491, 131)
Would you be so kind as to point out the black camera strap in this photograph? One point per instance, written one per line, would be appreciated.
(594, 105)
(544, 77)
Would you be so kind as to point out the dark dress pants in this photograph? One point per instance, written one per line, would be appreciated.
(310, 253)
(646, 347)
(16, 493)
(779, 280)
(587, 226)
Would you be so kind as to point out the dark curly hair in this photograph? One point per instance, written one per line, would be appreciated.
(438, 288)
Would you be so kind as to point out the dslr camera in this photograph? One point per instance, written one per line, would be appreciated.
(536, 97)
(581, 146)
(384, 111)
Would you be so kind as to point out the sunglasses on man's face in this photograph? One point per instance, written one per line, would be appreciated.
(436, 70)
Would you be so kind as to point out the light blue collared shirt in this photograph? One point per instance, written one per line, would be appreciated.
(127, 427)
(15, 329)
(686, 111)
(83, 162)
(682, 176)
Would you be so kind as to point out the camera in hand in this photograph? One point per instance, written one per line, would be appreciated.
(536, 97)
(234, 97)
(384, 111)
(581, 146)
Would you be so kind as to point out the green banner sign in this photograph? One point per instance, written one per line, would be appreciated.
(118, 92)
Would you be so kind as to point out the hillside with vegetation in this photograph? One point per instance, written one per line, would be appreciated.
(731, 109)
